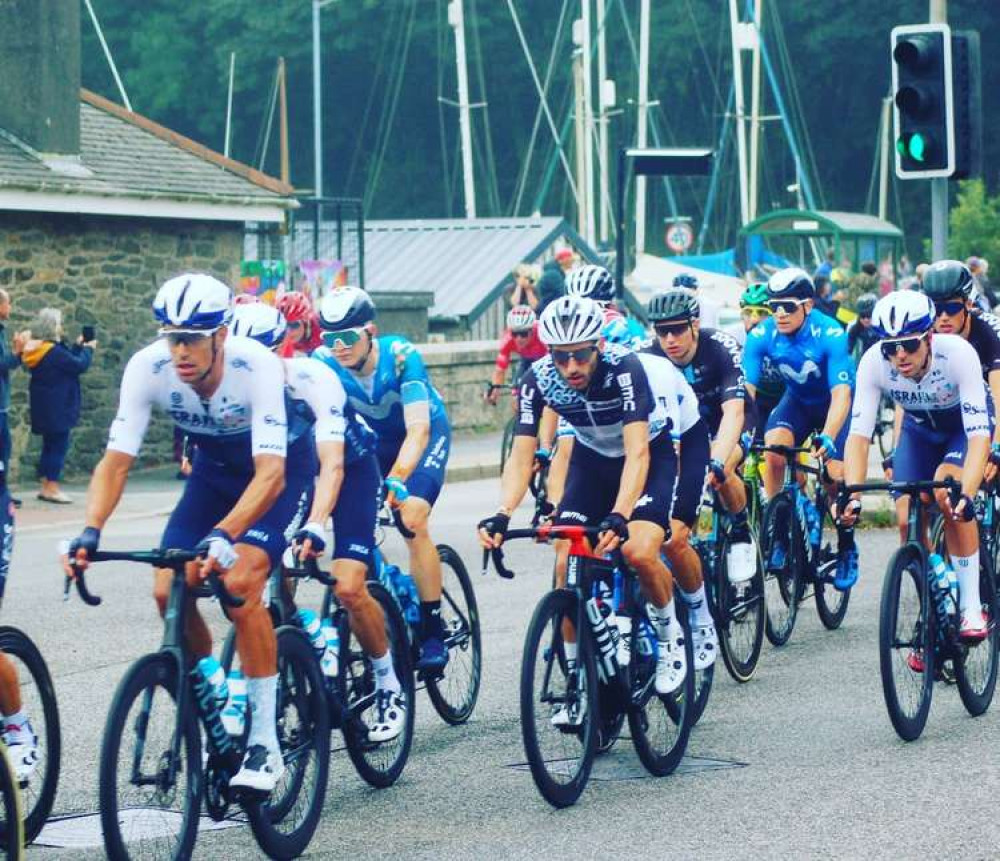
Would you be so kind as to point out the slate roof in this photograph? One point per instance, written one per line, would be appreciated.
(129, 155)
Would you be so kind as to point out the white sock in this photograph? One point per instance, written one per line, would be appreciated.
(15, 725)
(262, 694)
(967, 571)
(698, 602)
(663, 620)
(385, 673)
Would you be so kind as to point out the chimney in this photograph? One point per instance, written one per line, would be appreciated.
(40, 71)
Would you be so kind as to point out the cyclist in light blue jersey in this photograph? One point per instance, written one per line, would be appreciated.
(809, 350)
(387, 383)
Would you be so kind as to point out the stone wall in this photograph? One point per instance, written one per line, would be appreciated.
(404, 314)
(103, 272)
(460, 372)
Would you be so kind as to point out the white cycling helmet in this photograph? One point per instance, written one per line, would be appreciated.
(905, 312)
(571, 320)
(520, 318)
(592, 281)
(261, 322)
(193, 302)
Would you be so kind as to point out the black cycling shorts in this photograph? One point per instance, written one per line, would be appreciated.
(695, 454)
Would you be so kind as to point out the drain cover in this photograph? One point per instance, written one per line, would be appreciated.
(83, 831)
(629, 768)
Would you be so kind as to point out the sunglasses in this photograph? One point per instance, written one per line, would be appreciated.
(785, 306)
(522, 334)
(675, 329)
(344, 337)
(581, 355)
(182, 337)
(909, 345)
(949, 308)
(757, 312)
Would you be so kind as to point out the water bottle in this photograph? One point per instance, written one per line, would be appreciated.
(309, 622)
(941, 590)
(605, 599)
(211, 695)
(330, 662)
(605, 648)
(624, 639)
(953, 586)
(212, 672)
(234, 714)
(812, 519)
(402, 586)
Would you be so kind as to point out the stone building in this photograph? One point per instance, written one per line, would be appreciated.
(98, 206)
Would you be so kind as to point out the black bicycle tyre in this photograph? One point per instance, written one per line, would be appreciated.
(703, 679)
(831, 614)
(296, 656)
(17, 643)
(907, 561)
(155, 670)
(977, 701)
(789, 588)
(558, 604)
(12, 840)
(741, 667)
(507, 442)
(450, 712)
(355, 735)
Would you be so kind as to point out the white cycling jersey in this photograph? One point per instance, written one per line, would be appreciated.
(243, 418)
(949, 397)
(665, 378)
(311, 381)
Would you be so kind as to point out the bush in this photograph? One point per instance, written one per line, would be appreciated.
(974, 223)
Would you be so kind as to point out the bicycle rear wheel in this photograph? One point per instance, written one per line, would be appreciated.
(976, 668)
(781, 543)
(740, 613)
(660, 724)
(378, 763)
(454, 693)
(146, 813)
(38, 702)
(284, 822)
(906, 642)
(560, 757)
(12, 834)
(831, 603)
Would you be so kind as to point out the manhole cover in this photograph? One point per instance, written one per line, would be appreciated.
(627, 767)
(83, 831)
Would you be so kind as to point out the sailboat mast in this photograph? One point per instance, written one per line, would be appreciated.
(741, 131)
(456, 19)
(602, 121)
(641, 126)
(755, 112)
(588, 121)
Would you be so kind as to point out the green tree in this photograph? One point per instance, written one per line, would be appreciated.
(975, 223)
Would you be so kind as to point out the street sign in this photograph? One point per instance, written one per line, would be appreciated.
(679, 236)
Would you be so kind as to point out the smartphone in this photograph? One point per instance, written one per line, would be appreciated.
(88, 334)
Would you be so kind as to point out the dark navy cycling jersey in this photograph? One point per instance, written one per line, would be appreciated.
(812, 362)
(860, 337)
(715, 373)
(984, 336)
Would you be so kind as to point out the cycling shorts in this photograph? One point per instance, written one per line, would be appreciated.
(803, 419)
(593, 480)
(355, 512)
(209, 495)
(764, 406)
(919, 453)
(426, 481)
(695, 455)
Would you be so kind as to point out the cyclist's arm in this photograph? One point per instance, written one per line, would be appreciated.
(730, 428)
(975, 419)
(260, 494)
(415, 393)
(840, 409)
(734, 399)
(547, 429)
(107, 486)
(867, 399)
(329, 481)
(517, 470)
(635, 437)
(993, 380)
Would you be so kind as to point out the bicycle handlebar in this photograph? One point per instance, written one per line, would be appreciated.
(784, 450)
(309, 567)
(909, 488)
(546, 533)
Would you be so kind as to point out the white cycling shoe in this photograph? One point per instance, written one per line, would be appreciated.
(705, 644)
(741, 562)
(570, 714)
(261, 769)
(23, 752)
(671, 663)
(390, 716)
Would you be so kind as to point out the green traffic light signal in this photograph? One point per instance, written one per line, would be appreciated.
(917, 147)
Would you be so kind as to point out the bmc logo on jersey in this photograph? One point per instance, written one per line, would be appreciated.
(628, 392)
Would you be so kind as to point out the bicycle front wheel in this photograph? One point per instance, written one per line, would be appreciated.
(906, 642)
(976, 668)
(780, 538)
(38, 702)
(454, 693)
(831, 603)
(559, 706)
(150, 782)
(739, 615)
(507, 442)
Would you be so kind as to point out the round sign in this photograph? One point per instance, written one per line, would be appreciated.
(680, 237)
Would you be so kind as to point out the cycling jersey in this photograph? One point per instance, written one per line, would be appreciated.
(984, 336)
(812, 361)
(625, 388)
(529, 350)
(860, 338)
(619, 329)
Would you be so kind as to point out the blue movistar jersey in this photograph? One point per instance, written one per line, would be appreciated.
(812, 362)
(400, 379)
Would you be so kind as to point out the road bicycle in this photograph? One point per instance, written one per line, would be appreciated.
(918, 624)
(604, 683)
(885, 426)
(798, 554)
(154, 773)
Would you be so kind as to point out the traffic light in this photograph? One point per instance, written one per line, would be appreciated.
(924, 101)
(968, 101)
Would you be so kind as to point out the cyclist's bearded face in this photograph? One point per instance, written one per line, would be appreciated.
(576, 363)
(192, 357)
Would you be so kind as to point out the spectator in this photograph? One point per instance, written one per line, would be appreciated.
(824, 300)
(54, 395)
(551, 285)
(9, 359)
(919, 272)
(825, 269)
(566, 259)
(985, 297)
(866, 281)
(525, 276)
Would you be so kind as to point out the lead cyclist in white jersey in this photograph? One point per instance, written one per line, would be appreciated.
(937, 381)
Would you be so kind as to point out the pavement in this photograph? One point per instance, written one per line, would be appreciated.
(801, 762)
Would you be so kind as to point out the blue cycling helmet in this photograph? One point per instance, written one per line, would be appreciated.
(261, 322)
(903, 313)
(791, 283)
(686, 279)
(592, 281)
(193, 302)
(346, 308)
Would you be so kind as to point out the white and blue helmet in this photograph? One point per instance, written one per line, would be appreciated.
(905, 312)
(570, 320)
(193, 302)
(261, 322)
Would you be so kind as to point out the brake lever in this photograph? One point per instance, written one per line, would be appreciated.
(226, 598)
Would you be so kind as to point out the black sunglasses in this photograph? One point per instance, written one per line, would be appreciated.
(675, 329)
(581, 355)
(788, 306)
(949, 308)
(909, 345)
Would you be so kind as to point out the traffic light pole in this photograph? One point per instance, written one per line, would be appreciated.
(939, 186)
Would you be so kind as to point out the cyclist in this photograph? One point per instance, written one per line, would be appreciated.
(950, 286)
(809, 350)
(935, 380)
(521, 337)
(596, 282)
(387, 383)
(251, 470)
(709, 307)
(711, 362)
(303, 324)
(860, 334)
(754, 311)
(347, 488)
(627, 411)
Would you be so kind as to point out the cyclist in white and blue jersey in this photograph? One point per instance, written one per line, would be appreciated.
(387, 383)
(347, 488)
(809, 350)
(252, 469)
(937, 382)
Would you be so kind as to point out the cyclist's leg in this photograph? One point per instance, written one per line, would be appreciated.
(742, 560)
(787, 423)
(560, 462)
(915, 459)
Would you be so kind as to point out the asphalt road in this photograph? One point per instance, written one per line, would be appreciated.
(801, 762)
